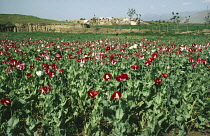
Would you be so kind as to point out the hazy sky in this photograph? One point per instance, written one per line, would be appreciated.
(76, 9)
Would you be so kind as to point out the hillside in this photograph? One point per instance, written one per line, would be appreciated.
(23, 18)
(25, 23)
(197, 18)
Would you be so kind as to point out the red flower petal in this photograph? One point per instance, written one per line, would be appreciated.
(124, 77)
(5, 102)
(107, 76)
(92, 94)
(135, 67)
(61, 70)
(116, 95)
(148, 63)
(29, 74)
(158, 80)
(118, 78)
(51, 73)
(9, 70)
(164, 75)
(45, 89)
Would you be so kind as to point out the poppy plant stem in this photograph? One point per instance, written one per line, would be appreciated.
(123, 86)
(10, 110)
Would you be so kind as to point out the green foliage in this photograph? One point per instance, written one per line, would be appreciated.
(145, 108)
(163, 27)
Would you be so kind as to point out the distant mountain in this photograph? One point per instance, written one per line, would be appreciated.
(195, 16)
(166, 16)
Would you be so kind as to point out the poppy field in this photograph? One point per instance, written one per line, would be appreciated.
(110, 86)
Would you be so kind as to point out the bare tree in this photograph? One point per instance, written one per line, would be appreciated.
(138, 20)
(166, 24)
(94, 20)
(130, 13)
(187, 22)
(207, 19)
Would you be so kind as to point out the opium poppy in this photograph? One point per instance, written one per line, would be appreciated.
(45, 89)
(116, 95)
(92, 94)
(164, 75)
(107, 76)
(158, 80)
(5, 102)
(135, 67)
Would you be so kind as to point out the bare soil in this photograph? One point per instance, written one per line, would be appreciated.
(175, 132)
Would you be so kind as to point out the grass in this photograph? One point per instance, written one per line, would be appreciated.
(91, 36)
(159, 26)
(24, 18)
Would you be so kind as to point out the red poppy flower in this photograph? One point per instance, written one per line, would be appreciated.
(108, 48)
(204, 61)
(45, 89)
(118, 78)
(38, 58)
(158, 80)
(5, 102)
(164, 75)
(135, 67)
(116, 95)
(198, 61)
(9, 70)
(61, 70)
(151, 59)
(79, 52)
(42, 54)
(122, 77)
(107, 76)
(82, 60)
(29, 74)
(54, 66)
(58, 56)
(92, 94)
(10, 58)
(21, 66)
(32, 67)
(148, 63)
(114, 61)
(47, 57)
(51, 73)
(14, 62)
(191, 59)
(111, 58)
(123, 50)
(6, 54)
(194, 64)
(154, 55)
(6, 62)
(70, 56)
